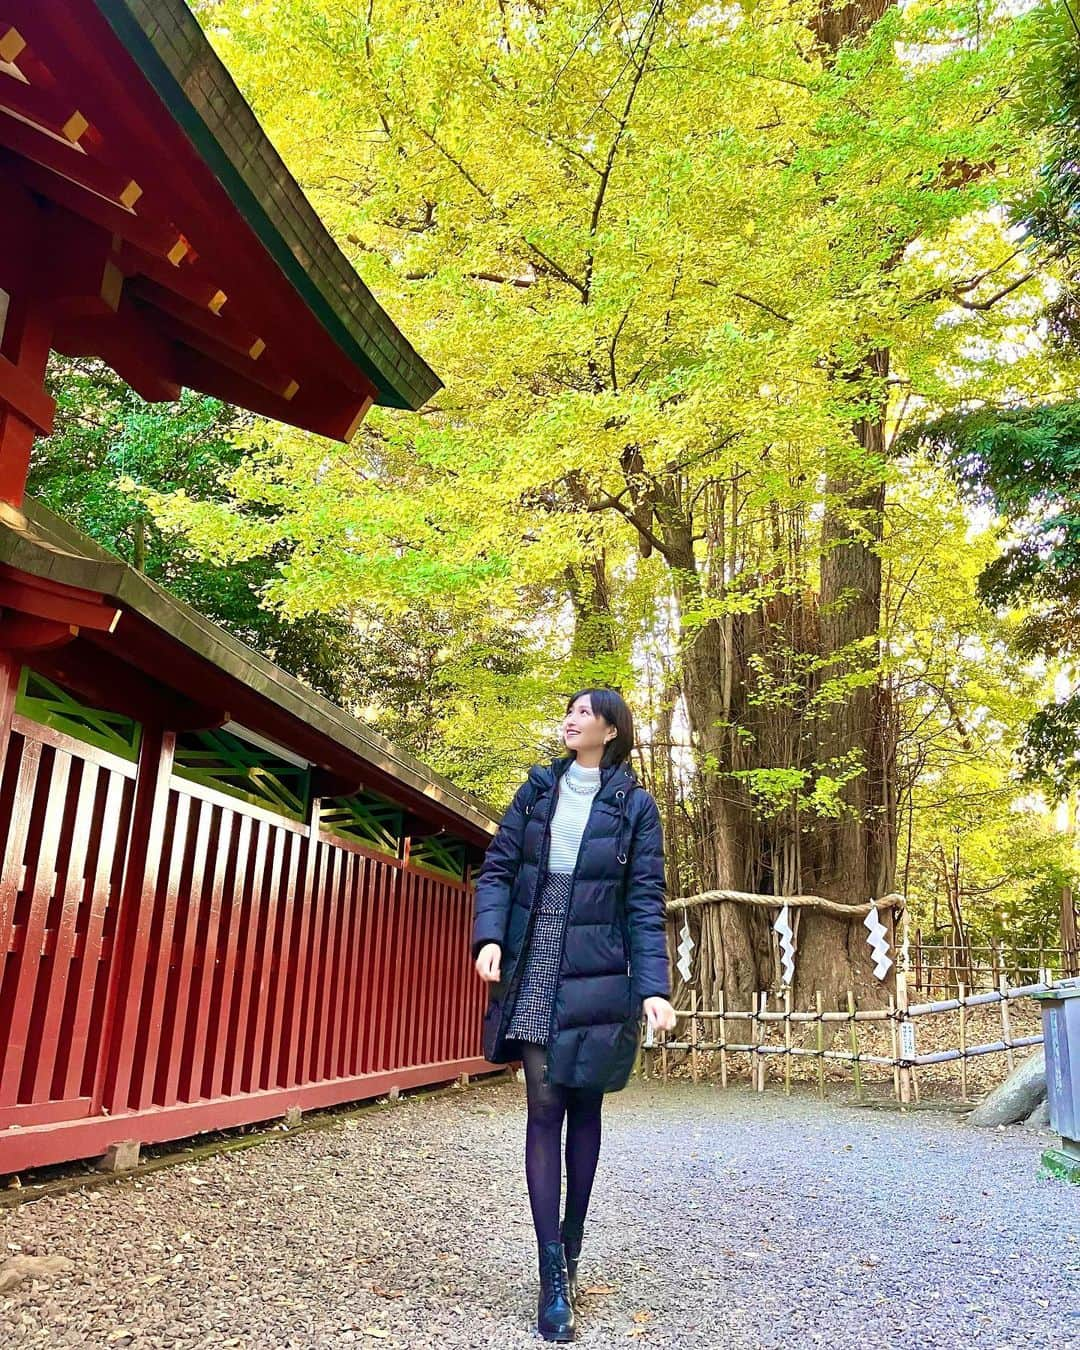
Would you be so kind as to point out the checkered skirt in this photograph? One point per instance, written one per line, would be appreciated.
(531, 1017)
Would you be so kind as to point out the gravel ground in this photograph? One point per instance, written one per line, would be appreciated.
(719, 1219)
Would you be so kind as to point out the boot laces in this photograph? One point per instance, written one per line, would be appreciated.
(558, 1276)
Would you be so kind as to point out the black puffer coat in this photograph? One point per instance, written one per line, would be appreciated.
(615, 949)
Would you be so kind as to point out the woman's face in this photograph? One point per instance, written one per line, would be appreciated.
(586, 731)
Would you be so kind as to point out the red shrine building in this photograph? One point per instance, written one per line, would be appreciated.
(221, 897)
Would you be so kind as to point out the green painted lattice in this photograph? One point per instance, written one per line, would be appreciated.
(39, 700)
(220, 760)
(366, 818)
(439, 853)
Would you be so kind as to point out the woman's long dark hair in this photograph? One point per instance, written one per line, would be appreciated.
(611, 706)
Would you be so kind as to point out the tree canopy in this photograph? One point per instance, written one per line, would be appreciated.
(688, 273)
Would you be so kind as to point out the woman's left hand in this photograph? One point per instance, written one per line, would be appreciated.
(660, 1013)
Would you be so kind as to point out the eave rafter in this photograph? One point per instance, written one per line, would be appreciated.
(155, 310)
(37, 598)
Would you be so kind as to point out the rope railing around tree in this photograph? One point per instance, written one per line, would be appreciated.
(836, 907)
(789, 910)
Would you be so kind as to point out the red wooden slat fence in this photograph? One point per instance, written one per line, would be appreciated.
(173, 959)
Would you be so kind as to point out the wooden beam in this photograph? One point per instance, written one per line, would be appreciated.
(93, 673)
(51, 600)
(153, 235)
(67, 159)
(419, 827)
(329, 413)
(332, 410)
(12, 43)
(24, 633)
(25, 65)
(25, 397)
(49, 110)
(326, 783)
(81, 276)
(361, 412)
(222, 329)
(26, 338)
(10, 671)
(132, 347)
(261, 370)
(193, 282)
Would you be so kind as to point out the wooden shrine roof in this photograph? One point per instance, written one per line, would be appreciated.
(134, 638)
(207, 266)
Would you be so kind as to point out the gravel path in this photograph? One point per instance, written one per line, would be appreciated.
(720, 1219)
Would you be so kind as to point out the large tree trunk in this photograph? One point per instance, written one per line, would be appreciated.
(726, 662)
(594, 624)
(738, 954)
(854, 854)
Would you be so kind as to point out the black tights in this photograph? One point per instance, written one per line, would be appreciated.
(547, 1104)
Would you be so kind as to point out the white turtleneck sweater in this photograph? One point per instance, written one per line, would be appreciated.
(571, 812)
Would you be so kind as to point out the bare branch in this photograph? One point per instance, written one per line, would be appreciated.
(609, 502)
(552, 266)
(647, 36)
(611, 349)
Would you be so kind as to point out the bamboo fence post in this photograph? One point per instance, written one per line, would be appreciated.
(1006, 1023)
(755, 1041)
(819, 1004)
(787, 1042)
(901, 1009)
(963, 1043)
(855, 1066)
(895, 1041)
(723, 1038)
(694, 1066)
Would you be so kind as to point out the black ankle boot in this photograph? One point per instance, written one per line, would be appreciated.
(570, 1236)
(554, 1311)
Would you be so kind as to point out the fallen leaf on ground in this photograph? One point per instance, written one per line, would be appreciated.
(17, 1268)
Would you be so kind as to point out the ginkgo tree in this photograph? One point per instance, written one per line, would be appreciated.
(684, 270)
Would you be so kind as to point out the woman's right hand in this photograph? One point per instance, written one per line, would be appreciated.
(488, 962)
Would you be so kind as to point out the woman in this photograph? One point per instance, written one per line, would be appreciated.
(570, 933)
